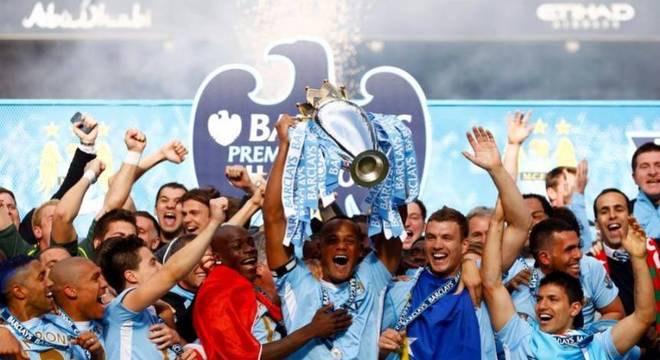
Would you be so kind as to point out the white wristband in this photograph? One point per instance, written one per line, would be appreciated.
(132, 158)
(90, 175)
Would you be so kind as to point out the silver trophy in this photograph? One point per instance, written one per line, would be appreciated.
(349, 128)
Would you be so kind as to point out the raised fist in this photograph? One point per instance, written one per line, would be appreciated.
(219, 208)
(238, 177)
(174, 151)
(135, 140)
(86, 121)
(96, 165)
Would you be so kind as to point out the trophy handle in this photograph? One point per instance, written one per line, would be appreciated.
(369, 168)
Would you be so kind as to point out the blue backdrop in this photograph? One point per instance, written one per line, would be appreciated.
(38, 144)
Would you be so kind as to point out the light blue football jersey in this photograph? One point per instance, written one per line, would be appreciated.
(53, 329)
(264, 327)
(525, 341)
(127, 332)
(301, 296)
(599, 290)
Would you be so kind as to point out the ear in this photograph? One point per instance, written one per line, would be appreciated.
(18, 292)
(37, 232)
(130, 277)
(544, 257)
(575, 309)
(96, 243)
(465, 245)
(70, 292)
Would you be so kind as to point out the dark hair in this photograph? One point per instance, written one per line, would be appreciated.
(8, 270)
(547, 208)
(146, 214)
(567, 282)
(331, 225)
(449, 214)
(564, 213)
(422, 207)
(116, 255)
(103, 223)
(173, 185)
(647, 147)
(202, 195)
(607, 191)
(7, 191)
(542, 234)
(552, 176)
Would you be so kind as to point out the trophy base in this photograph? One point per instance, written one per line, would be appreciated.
(369, 168)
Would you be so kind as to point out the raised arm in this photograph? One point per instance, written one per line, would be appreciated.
(274, 218)
(518, 130)
(69, 206)
(243, 215)
(174, 152)
(627, 332)
(500, 305)
(179, 265)
(516, 215)
(125, 177)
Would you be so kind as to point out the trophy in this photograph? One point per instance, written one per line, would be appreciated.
(350, 128)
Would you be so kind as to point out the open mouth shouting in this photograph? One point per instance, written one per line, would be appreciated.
(169, 219)
(545, 318)
(613, 230)
(250, 263)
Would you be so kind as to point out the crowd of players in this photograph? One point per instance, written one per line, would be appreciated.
(527, 277)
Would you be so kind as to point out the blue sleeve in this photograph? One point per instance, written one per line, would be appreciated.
(579, 209)
(396, 298)
(604, 290)
(605, 342)
(116, 312)
(373, 270)
(300, 293)
(516, 336)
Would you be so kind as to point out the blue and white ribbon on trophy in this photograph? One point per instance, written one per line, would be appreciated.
(312, 170)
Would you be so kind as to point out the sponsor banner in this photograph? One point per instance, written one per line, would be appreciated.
(526, 19)
(37, 145)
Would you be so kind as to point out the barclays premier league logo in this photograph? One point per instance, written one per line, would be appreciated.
(231, 126)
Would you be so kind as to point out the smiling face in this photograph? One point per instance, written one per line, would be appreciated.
(36, 287)
(90, 290)
(234, 246)
(444, 247)
(564, 253)
(612, 218)
(554, 310)
(647, 174)
(168, 211)
(414, 224)
(195, 216)
(340, 249)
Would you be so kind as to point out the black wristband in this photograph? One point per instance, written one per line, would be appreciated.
(284, 269)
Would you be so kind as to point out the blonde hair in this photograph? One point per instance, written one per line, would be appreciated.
(38, 213)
